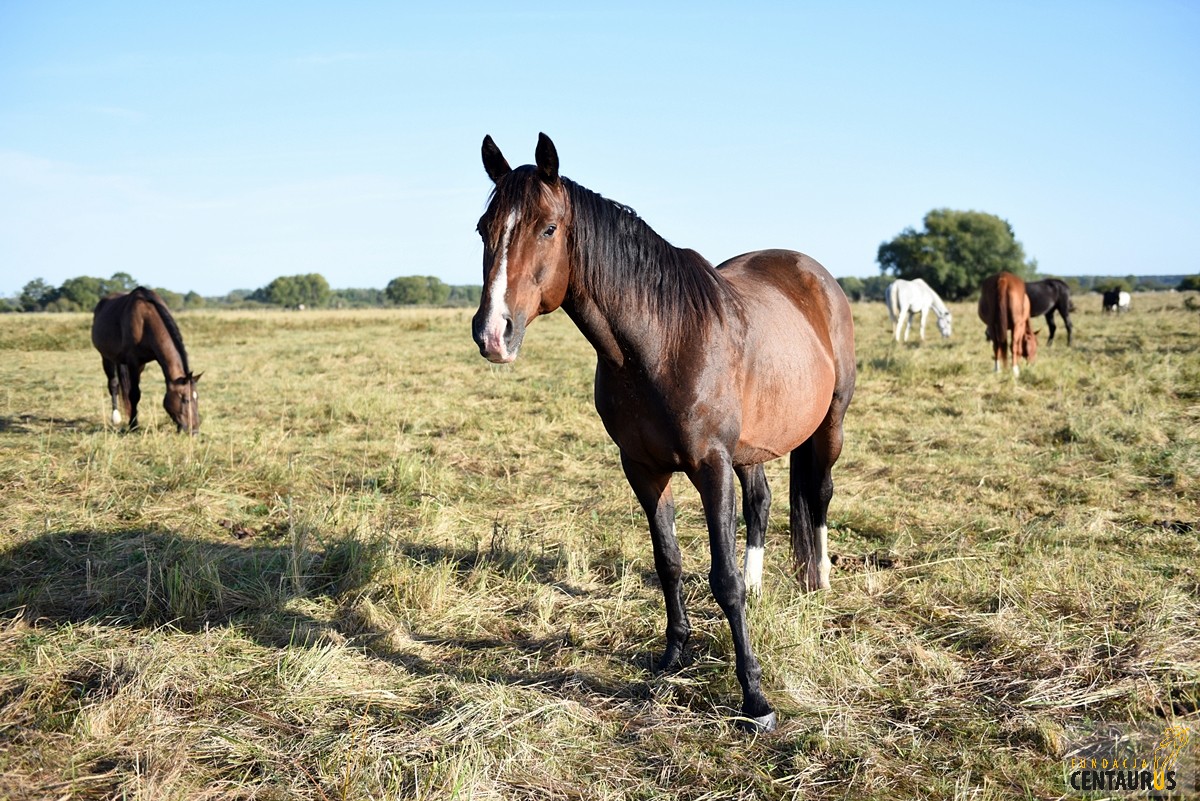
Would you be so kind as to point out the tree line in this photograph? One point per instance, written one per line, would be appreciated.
(309, 291)
(954, 252)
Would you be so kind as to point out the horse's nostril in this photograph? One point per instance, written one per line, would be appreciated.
(508, 327)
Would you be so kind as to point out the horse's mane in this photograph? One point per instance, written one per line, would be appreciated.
(168, 321)
(621, 261)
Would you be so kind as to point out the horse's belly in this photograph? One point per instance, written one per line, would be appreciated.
(783, 403)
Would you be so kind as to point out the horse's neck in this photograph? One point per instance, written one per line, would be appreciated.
(625, 335)
(162, 345)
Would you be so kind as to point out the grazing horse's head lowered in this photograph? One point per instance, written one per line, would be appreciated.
(526, 263)
(182, 402)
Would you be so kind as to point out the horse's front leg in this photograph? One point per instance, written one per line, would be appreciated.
(133, 394)
(714, 480)
(653, 491)
(924, 314)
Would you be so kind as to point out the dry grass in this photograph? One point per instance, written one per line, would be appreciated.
(388, 570)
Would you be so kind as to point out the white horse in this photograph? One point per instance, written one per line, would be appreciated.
(906, 298)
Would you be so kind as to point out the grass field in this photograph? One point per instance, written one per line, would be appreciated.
(387, 569)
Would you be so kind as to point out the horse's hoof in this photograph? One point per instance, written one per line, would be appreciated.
(760, 725)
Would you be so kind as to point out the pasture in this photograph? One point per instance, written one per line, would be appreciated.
(388, 569)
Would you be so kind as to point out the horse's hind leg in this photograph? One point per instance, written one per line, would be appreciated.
(811, 489)
(114, 389)
(756, 506)
(653, 491)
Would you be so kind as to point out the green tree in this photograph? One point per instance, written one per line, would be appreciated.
(955, 252)
(409, 290)
(36, 295)
(853, 287)
(174, 300)
(193, 300)
(291, 291)
(81, 293)
(1190, 282)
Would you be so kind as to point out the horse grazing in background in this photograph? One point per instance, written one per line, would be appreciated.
(1116, 300)
(1047, 297)
(906, 298)
(1004, 307)
(704, 370)
(131, 330)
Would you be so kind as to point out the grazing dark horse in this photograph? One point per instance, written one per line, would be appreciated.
(1047, 297)
(1004, 307)
(131, 330)
(701, 370)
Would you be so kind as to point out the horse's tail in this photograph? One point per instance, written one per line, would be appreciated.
(892, 295)
(1003, 317)
(124, 383)
(800, 522)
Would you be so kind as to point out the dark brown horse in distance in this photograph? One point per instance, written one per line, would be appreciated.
(1047, 297)
(708, 371)
(131, 330)
(1004, 307)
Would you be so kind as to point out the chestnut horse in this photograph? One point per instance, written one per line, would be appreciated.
(704, 370)
(131, 330)
(1004, 307)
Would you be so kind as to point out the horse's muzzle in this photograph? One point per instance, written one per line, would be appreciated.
(498, 336)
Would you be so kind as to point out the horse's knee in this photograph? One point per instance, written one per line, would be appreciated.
(728, 588)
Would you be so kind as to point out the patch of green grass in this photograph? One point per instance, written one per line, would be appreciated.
(386, 568)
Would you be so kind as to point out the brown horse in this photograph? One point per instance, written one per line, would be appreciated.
(1004, 307)
(131, 330)
(704, 370)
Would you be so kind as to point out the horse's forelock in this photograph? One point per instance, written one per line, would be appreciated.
(522, 192)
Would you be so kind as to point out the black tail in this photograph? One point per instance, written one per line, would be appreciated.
(125, 382)
(802, 499)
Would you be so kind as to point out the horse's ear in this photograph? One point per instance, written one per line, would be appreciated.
(547, 159)
(196, 377)
(494, 161)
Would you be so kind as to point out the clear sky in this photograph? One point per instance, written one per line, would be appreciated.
(217, 145)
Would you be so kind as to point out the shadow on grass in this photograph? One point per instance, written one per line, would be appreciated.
(33, 423)
(145, 579)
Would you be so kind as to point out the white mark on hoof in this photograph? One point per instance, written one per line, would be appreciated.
(752, 569)
(116, 417)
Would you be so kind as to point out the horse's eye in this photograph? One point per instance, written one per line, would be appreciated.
(550, 229)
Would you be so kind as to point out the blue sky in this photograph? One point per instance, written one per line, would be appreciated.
(214, 146)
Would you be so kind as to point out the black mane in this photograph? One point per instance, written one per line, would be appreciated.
(168, 321)
(621, 260)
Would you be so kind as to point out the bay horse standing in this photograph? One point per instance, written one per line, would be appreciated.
(1047, 297)
(704, 370)
(906, 298)
(132, 329)
(1004, 307)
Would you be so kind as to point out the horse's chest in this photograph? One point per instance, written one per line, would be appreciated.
(670, 428)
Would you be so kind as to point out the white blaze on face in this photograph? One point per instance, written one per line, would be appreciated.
(498, 314)
(752, 569)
